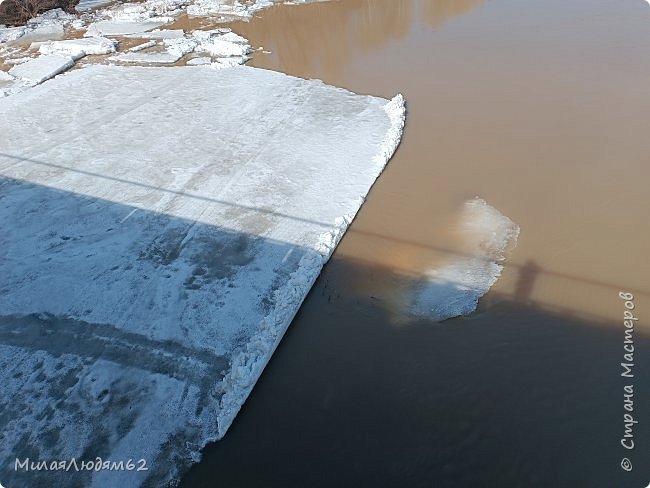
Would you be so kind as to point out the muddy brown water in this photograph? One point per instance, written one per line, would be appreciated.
(542, 109)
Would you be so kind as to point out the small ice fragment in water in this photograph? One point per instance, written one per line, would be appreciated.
(454, 289)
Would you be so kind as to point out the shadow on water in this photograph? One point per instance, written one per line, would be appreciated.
(526, 281)
(516, 395)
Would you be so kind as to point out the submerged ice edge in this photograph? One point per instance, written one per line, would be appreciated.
(248, 365)
(454, 289)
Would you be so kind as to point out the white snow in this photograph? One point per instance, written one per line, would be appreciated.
(175, 49)
(18, 60)
(165, 225)
(232, 37)
(4, 76)
(119, 28)
(77, 48)
(42, 68)
(8, 34)
(160, 34)
(143, 46)
(140, 57)
(87, 5)
(454, 288)
(229, 49)
(44, 32)
(220, 47)
(229, 62)
(199, 61)
(218, 7)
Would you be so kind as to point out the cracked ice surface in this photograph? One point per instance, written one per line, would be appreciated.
(165, 225)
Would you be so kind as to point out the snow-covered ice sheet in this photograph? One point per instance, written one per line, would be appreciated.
(164, 226)
(77, 48)
(160, 34)
(191, 62)
(141, 47)
(229, 48)
(229, 62)
(220, 47)
(8, 34)
(44, 32)
(175, 49)
(87, 5)
(119, 28)
(140, 57)
(42, 68)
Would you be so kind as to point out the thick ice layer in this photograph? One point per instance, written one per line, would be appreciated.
(8, 34)
(87, 5)
(42, 68)
(118, 28)
(199, 61)
(141, 47)
(141, 57)
(455, 288)
(44, 32)
(230, 49)
(163, 226)
(160, 34)
(77, 48)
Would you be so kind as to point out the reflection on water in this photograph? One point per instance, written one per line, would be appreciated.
(327, 36)
(526, 281)
(437, 12)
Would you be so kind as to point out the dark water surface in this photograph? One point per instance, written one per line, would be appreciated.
(542, 109)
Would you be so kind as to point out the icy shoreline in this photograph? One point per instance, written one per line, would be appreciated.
(108, 27)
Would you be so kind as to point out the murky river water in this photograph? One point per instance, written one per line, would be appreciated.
(542, 109)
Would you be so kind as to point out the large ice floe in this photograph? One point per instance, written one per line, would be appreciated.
(162, 227)
(78, 48)
(42, 68)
